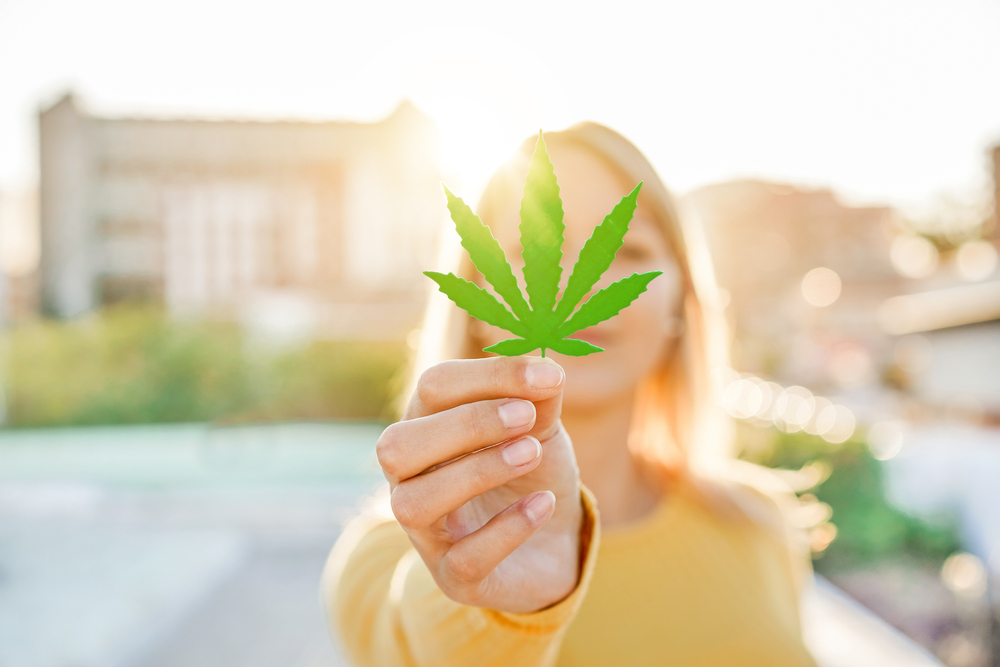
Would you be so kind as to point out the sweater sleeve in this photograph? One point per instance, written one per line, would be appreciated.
(386, 610)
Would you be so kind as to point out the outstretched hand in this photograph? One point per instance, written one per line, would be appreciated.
(498, 525)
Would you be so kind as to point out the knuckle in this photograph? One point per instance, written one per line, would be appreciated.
(505, 532)
(460, 571)
(473, 424)
(387, 449)
(429, 382)
(425, 386)
(481, 474)
(503, 370)
(401, 508)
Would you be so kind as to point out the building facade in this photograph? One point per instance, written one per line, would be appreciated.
(765, 240)
(325, 223)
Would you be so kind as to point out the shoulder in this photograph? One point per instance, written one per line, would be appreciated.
(764, 505)
(737, 489)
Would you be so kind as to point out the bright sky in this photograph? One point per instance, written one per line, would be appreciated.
(886, 101)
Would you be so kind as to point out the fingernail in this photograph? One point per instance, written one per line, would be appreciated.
(540, 507)
(543, 375)
(516, 413)
(521, 451)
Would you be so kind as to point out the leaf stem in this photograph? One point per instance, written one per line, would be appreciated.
(543, 353)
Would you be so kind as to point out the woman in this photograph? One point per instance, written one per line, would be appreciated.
(497, 555)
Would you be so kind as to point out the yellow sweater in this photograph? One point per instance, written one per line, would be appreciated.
(683, 587)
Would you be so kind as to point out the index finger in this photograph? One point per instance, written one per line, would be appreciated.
(453, 383)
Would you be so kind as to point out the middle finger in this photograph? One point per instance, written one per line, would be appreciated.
(407, 448)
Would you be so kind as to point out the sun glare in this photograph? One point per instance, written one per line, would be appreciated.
(477, 135)
(483, 106)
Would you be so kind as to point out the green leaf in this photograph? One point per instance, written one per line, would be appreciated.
(477, 302)
(572, 347)
(608, 302)
(541, 232)
(513, 347)
(598, 253)
(542, 325)
(486, 254)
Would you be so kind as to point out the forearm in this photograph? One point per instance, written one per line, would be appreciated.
(387, 610)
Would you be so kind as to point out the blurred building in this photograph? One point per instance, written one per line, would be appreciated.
(948, 328)
(803, 276)
(293, 226)
(948, 347)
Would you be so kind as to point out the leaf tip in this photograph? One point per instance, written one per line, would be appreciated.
(435, 276)
(540, 143)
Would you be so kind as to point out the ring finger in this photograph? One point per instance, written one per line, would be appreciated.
(421, 501)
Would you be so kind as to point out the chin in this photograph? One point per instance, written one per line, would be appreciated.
(595, 380)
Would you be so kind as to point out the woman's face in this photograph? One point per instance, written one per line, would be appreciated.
(636, 340)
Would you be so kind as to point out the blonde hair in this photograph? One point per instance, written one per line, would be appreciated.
(676, 424)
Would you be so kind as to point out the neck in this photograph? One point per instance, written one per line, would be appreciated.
(625, 491)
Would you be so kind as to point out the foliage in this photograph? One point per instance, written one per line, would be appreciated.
(868, 527)
(133, 364)
(543, 324)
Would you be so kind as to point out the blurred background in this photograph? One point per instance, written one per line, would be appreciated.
(213, 218)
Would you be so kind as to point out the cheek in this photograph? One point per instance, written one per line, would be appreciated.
(651, 315)
(644, 330)
(647, 327)
(640, 337)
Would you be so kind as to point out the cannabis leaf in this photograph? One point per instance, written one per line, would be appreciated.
(544, 323)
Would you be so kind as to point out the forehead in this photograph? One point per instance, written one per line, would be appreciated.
(589, 187)
(587, 183)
